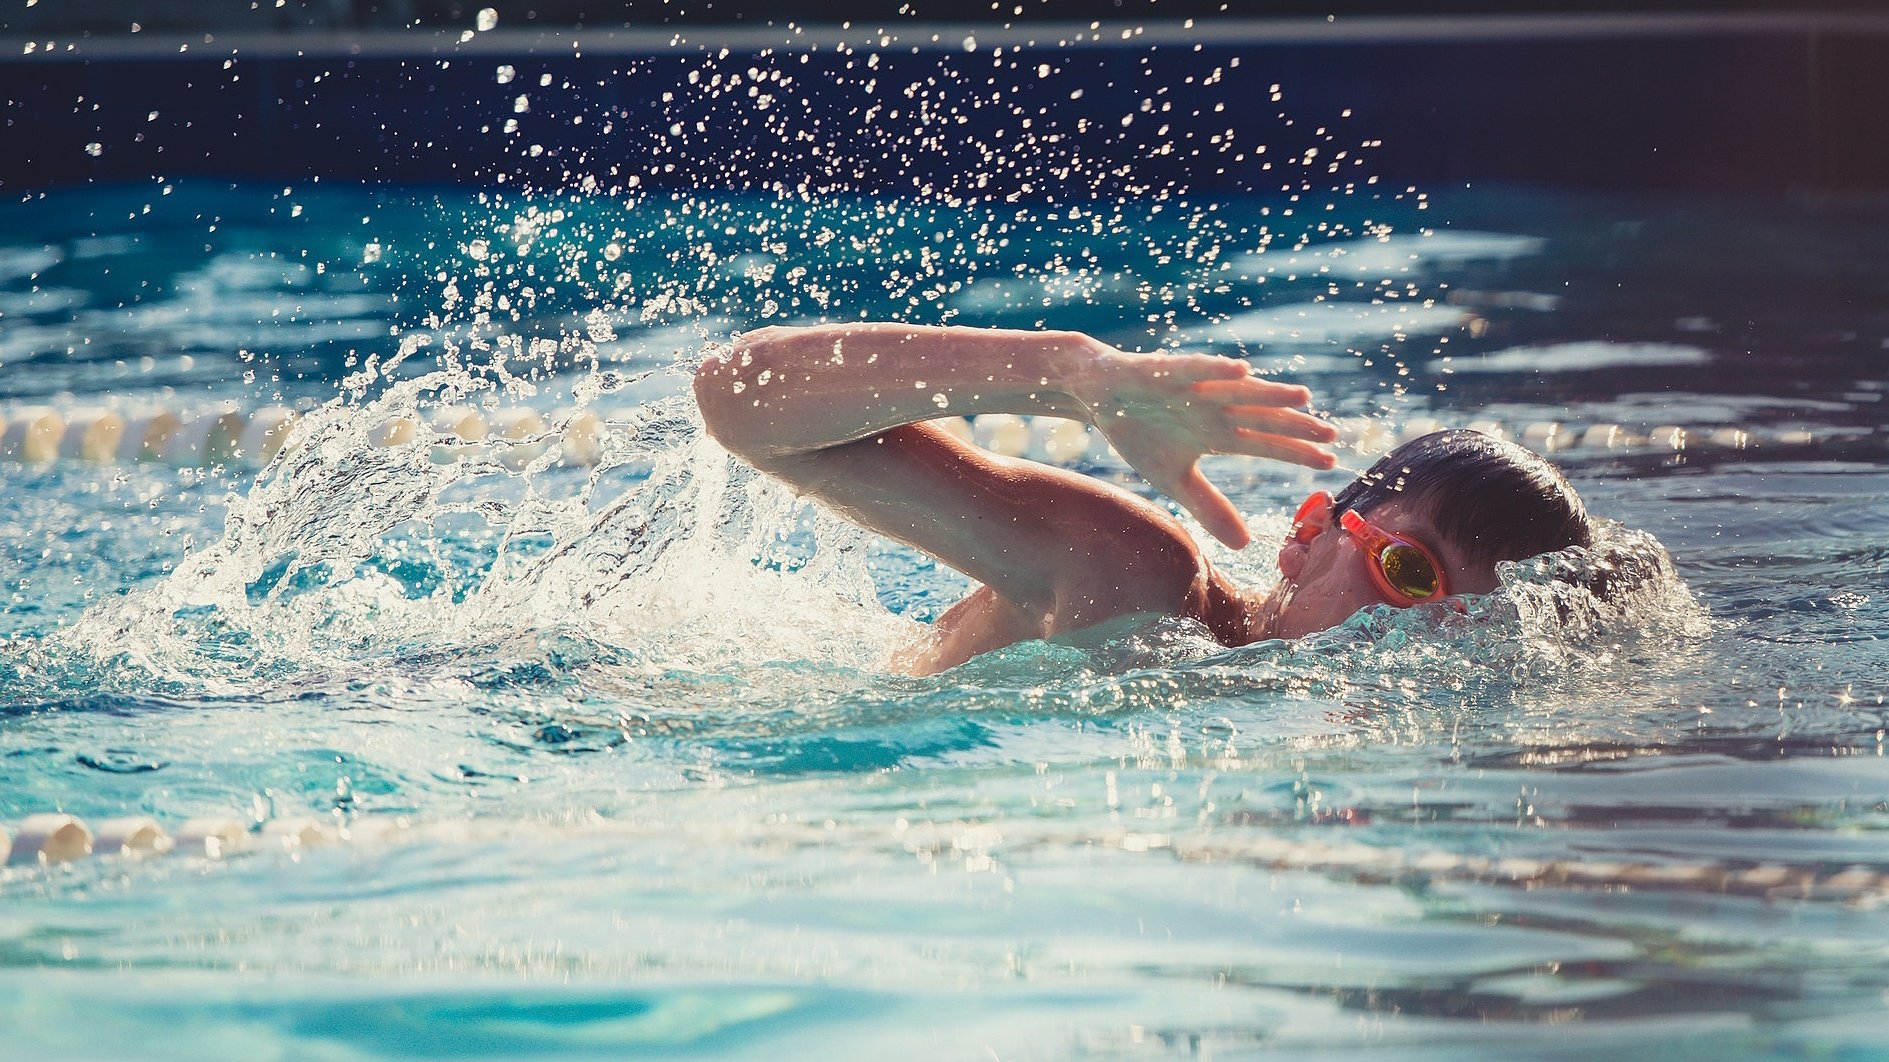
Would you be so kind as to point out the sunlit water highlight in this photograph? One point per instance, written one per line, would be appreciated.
(663, 795)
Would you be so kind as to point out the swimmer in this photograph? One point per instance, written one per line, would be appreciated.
(839, 413)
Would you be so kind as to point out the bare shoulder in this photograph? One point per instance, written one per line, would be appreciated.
(1103, 551)
(1120, 556)
(1123, 554)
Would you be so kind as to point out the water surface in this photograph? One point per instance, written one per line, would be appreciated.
(627, 774)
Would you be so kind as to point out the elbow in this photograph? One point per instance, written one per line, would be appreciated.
(717, 393)
(725, 395)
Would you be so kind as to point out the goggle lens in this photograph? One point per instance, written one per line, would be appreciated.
(1403, 570)
(1408, 571)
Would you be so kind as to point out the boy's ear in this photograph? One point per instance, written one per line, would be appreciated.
(1292, 559)
(1313, 520)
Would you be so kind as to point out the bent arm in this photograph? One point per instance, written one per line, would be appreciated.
(836, 412)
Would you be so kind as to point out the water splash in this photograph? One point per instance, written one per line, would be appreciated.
(345, 560)
(344, 554)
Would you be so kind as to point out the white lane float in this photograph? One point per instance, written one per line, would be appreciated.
(463, 422)
(957, 427)
(32, 435)
(1417, 428)
(1004, 434)
(298, 833)
(147, 434)
(207, 439)
(464, 427)
(392, 432)
(1543, 436)
(520, 432)
(376, 829)
(211, 838)
(1366, 436)
(264, 435)
(1602, 437)
(584, 435)
(92, 434)
(133, 837)
(46, 839)
(50, 837)
(519, 436)
(1667, 437)
(1066, 442)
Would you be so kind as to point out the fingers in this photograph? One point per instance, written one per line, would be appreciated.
(1279, 448)
(1288, 422)
(1205, 368)
(1252, 391)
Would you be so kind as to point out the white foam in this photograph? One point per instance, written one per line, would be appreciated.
(20, 262)
(1335, 322)
(1396, 256)
(1583, 356)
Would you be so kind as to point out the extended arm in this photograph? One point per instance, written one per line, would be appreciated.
(834, 410)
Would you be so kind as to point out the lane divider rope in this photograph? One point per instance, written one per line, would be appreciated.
(1855, 884)
(51, 839)
(226, 436)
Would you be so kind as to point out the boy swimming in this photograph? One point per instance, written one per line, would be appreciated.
(839, 413)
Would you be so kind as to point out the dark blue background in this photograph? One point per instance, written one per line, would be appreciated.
(1749, 108)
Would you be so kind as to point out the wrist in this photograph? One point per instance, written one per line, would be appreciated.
(1082, 372)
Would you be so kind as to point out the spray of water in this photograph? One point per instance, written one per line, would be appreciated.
(441, 558)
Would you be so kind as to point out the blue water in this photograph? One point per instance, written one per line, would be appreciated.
(626, 774)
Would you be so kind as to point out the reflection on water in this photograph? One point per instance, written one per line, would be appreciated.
(628, 776)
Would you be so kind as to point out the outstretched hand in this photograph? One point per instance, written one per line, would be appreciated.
(1164, 412)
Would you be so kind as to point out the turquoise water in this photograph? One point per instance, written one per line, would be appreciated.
(625, 775)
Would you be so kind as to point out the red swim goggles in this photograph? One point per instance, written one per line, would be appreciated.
(1405, 570)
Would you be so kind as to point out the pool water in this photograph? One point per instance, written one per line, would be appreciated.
(623, 772)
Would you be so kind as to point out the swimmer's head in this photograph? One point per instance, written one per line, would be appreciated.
(1456, 503)
(1494, 500)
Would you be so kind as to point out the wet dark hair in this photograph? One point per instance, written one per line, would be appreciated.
(1494, 500)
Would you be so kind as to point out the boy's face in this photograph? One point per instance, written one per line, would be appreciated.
(1327, 573)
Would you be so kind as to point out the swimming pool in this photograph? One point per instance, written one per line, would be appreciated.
(619, 769)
